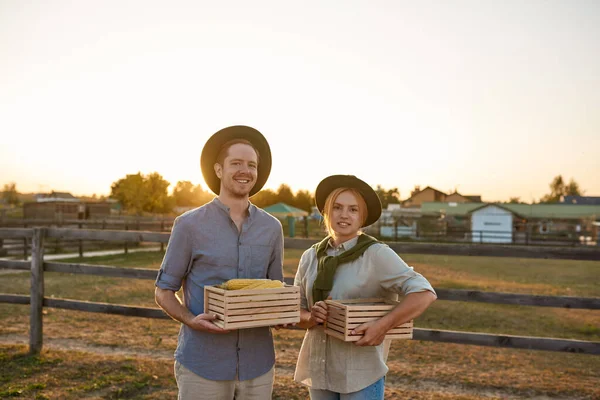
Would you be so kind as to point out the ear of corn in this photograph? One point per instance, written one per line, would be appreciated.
(269, 284)
(238, 284)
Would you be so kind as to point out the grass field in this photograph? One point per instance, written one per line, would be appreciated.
(106, 356)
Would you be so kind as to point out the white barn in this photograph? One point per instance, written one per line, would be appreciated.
(492, 223)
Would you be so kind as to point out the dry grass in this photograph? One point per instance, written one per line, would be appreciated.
(77, 375)
(418, 370)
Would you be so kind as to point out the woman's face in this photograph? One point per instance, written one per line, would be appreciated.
(345, 217)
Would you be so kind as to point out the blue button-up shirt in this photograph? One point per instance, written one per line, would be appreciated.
(206, 248)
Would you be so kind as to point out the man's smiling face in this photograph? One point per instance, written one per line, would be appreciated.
(239, 171)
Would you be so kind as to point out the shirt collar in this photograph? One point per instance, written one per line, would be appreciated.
(218, 203)
(347, 245)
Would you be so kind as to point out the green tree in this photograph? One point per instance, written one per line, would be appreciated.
(138, 193)
(304, 200)
(264, 198)
(514, 200)
(10, 195)
(391, 196)
(558, 188)
(285, 195)
(129, 191)
(157, 195)
(185, 194)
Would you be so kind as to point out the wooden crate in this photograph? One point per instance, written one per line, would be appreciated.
(238, 309)
(345, 315)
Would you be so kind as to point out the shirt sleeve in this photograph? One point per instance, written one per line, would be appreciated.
(395, 275)
(275, 269)
(300, 279)
(177, 260)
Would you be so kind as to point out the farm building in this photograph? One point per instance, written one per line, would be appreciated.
(581, 200)
(56, 209)
(97, 209)
(429, 194)
(492, 223)
(526, 221)
(65, 206)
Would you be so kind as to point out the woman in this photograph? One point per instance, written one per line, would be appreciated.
(348, 264)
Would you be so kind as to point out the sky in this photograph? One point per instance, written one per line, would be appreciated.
(486, 97)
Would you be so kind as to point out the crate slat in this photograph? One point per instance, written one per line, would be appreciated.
(217, 297)
(216, 308)
(258, 304)
(258, 317)
(336, 320)
(255, 324)
(336, 335)
(261, 297)
(262, 310)
(335, 324)
(366, 313)
(252, 292)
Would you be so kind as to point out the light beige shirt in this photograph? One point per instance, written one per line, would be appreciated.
(328, 363)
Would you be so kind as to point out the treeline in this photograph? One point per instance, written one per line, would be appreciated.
(140, 194)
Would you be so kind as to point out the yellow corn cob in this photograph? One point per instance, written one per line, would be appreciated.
(254, 284)
(268, 284)
(237, 284)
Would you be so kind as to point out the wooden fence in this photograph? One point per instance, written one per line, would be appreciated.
(37, 266)
(23, 245)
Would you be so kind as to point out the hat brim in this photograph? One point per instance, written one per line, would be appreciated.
(329, 184)
(213, 145)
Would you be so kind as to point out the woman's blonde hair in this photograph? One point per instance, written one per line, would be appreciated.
(328, 207)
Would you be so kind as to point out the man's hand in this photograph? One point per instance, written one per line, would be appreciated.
(203, 322)
(318, 312)
(374, 333)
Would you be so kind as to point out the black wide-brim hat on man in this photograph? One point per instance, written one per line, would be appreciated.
(329, 184)
(213, 145)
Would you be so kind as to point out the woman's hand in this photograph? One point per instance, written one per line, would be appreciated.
(374, 333)
(318, 312)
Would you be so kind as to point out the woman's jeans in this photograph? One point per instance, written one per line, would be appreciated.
(372, 392)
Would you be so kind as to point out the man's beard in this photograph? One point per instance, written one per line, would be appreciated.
(238, 193)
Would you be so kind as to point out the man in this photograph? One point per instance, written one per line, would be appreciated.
(224, 239)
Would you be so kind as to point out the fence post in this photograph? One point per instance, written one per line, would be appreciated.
(162, 229)
(480, 236)
(291, 226)
(80, 244)
(306, 226)
(395, 230)
(126, 228)
(37, 291)
(25, 245)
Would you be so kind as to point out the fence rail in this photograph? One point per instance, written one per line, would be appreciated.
(394, 229)
(463, 249)
(37, 301)
(477, 249)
